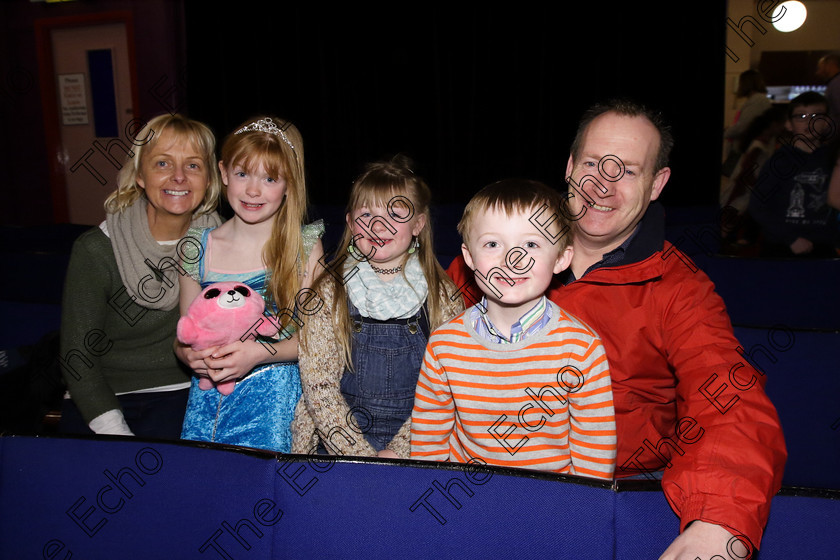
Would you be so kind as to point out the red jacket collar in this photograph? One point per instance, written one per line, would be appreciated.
(643, 259)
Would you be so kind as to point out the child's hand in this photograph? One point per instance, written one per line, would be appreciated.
(233, 361)
(194, 359)
(387, 454)
(801, 246)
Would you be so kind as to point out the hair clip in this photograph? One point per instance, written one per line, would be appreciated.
(266, 125)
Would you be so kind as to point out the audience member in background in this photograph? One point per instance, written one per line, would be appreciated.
(789, 201)
(752, 90)
(757, 145)
(828, 70)
(118, 313)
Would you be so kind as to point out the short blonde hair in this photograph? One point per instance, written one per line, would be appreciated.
(188, 130)
(519, 196)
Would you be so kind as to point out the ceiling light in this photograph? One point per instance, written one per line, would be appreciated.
(789, 16)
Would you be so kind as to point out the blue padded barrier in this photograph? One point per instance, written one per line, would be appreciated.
(33, 277)
(128, 498)
(34, 264)
(801, 293)
(46, 238)
(694, 229)
(24, 323)
(803, 382)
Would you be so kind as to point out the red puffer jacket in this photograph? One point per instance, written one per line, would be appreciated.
(686, 401)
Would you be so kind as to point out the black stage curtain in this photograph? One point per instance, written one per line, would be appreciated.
(472, 94)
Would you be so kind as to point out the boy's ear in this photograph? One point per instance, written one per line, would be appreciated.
(467, 256)
(564, 259)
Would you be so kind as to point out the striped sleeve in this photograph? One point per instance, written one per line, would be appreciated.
(433, 417)
(592, 439)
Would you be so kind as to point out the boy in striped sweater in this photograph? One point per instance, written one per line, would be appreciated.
(515, 380)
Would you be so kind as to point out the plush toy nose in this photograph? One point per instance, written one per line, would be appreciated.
(231, 300)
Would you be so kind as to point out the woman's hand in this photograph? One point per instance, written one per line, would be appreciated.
(194, 359)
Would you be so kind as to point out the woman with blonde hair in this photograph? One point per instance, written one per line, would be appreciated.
(121, 295)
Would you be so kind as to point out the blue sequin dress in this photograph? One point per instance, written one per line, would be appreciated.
(259, 412)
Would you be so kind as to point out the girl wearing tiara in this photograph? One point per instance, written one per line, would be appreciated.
(266, 246)
(383, 293)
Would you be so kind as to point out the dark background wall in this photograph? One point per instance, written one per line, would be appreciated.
(472, 94)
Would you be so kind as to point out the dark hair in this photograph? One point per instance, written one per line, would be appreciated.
(749, 82)
(775, 114)
(803, 99)
(627, 108)
(831, 58)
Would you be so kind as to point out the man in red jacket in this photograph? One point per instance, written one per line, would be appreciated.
(690, 408)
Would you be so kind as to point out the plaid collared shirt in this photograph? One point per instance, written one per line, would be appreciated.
(530, 323)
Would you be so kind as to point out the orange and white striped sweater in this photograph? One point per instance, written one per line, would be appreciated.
(542, 403)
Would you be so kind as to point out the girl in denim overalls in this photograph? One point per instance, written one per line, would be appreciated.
(378, 299)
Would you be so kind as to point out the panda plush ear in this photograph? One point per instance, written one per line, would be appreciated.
(212, 293)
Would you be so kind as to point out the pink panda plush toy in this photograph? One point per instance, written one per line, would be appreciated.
(223, 313)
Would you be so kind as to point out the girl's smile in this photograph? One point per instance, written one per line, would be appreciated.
(253, 195)
(383, 237)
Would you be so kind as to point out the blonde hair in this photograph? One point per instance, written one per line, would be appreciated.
(518, 196)
(187, 130)
(378, 185)
(282, 156)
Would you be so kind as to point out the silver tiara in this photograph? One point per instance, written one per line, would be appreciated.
(266, 125)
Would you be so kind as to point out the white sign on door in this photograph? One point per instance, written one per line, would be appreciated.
(71, 88)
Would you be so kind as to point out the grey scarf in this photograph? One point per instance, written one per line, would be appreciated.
(142, 261)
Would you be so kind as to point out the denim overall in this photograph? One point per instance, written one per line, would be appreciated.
(386, 358)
